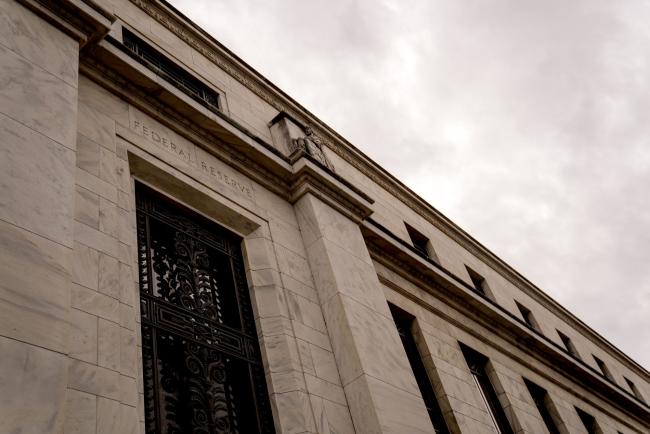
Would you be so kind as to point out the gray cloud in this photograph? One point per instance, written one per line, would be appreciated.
(524, 122)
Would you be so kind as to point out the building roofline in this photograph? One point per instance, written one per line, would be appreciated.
(261, 86)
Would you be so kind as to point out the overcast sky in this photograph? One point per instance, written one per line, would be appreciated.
(525, 122)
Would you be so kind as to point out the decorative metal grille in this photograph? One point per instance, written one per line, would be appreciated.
(201, 362)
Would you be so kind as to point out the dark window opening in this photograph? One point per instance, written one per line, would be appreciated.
(202, 368)
(589, 422)
(542, 402)
(404, 322)
(528, 317)
(421, 243)
(604, 369)
(479, 283)
(634, 390)
(568, 344)
(477, 364)
(169, 70)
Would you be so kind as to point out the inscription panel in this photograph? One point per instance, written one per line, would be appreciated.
(200, 164)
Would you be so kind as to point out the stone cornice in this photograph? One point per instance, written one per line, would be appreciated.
(199, 40)
(311, 177)
(403, 260)
(83, 20)
(139, 87)
(290, 177)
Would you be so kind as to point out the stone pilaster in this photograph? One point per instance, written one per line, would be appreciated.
(38, 106)
(379, 385)
(39, 51)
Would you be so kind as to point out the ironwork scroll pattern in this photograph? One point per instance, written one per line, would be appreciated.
(202, 372)
(184, 275)
(166, 213)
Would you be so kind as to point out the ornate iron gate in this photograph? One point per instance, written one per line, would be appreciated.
(201, 362)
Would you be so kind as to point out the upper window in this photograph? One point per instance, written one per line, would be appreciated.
(528, 317)
(479, 283)
(634, 389)
(544, 406)
(404, 323)
(568, 344)
(421, 243)
(589, 422)
(170, 71)
(202, 367)
(477, 364)
(604, 369)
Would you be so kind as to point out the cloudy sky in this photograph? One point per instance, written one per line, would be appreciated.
(526, 122)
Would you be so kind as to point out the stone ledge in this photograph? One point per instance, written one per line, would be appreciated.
(83, 20)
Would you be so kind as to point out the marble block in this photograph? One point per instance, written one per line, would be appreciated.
(38, 42)
(34, 289)
(32, 389)
(37, 188)
(38, 99)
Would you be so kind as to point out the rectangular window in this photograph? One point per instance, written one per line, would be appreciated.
(421, 243)
(202, 366)
(479, 283)
(604, 369)
(568, 344)
(589, 422)
(404, 322)
(634, 389)
(543, 404)
(477, 364)
(169, 70)
(528, 317)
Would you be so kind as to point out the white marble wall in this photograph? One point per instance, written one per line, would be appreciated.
(379, 385)
(438, 342)
(303, 381)
(38, 106)
(69, 326)
(103, 374)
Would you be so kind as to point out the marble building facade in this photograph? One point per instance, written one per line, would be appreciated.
(370, 312)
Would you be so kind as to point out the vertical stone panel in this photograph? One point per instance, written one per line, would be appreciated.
(379, 385)
(32, 388)
(38, 118)
(459, 398)
(280, 353)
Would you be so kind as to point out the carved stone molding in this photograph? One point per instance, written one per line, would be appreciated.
(306, 173)
(308, 177)
(149, 102)
(222, 57)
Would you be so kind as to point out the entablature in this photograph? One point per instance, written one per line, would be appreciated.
(198, 39)
(288, 172)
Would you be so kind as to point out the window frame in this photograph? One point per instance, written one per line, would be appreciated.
(421, 243)
(162, 315)
(528, 317)
(404, 322)
(569, 346)
(477, 364)
(541, 399)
